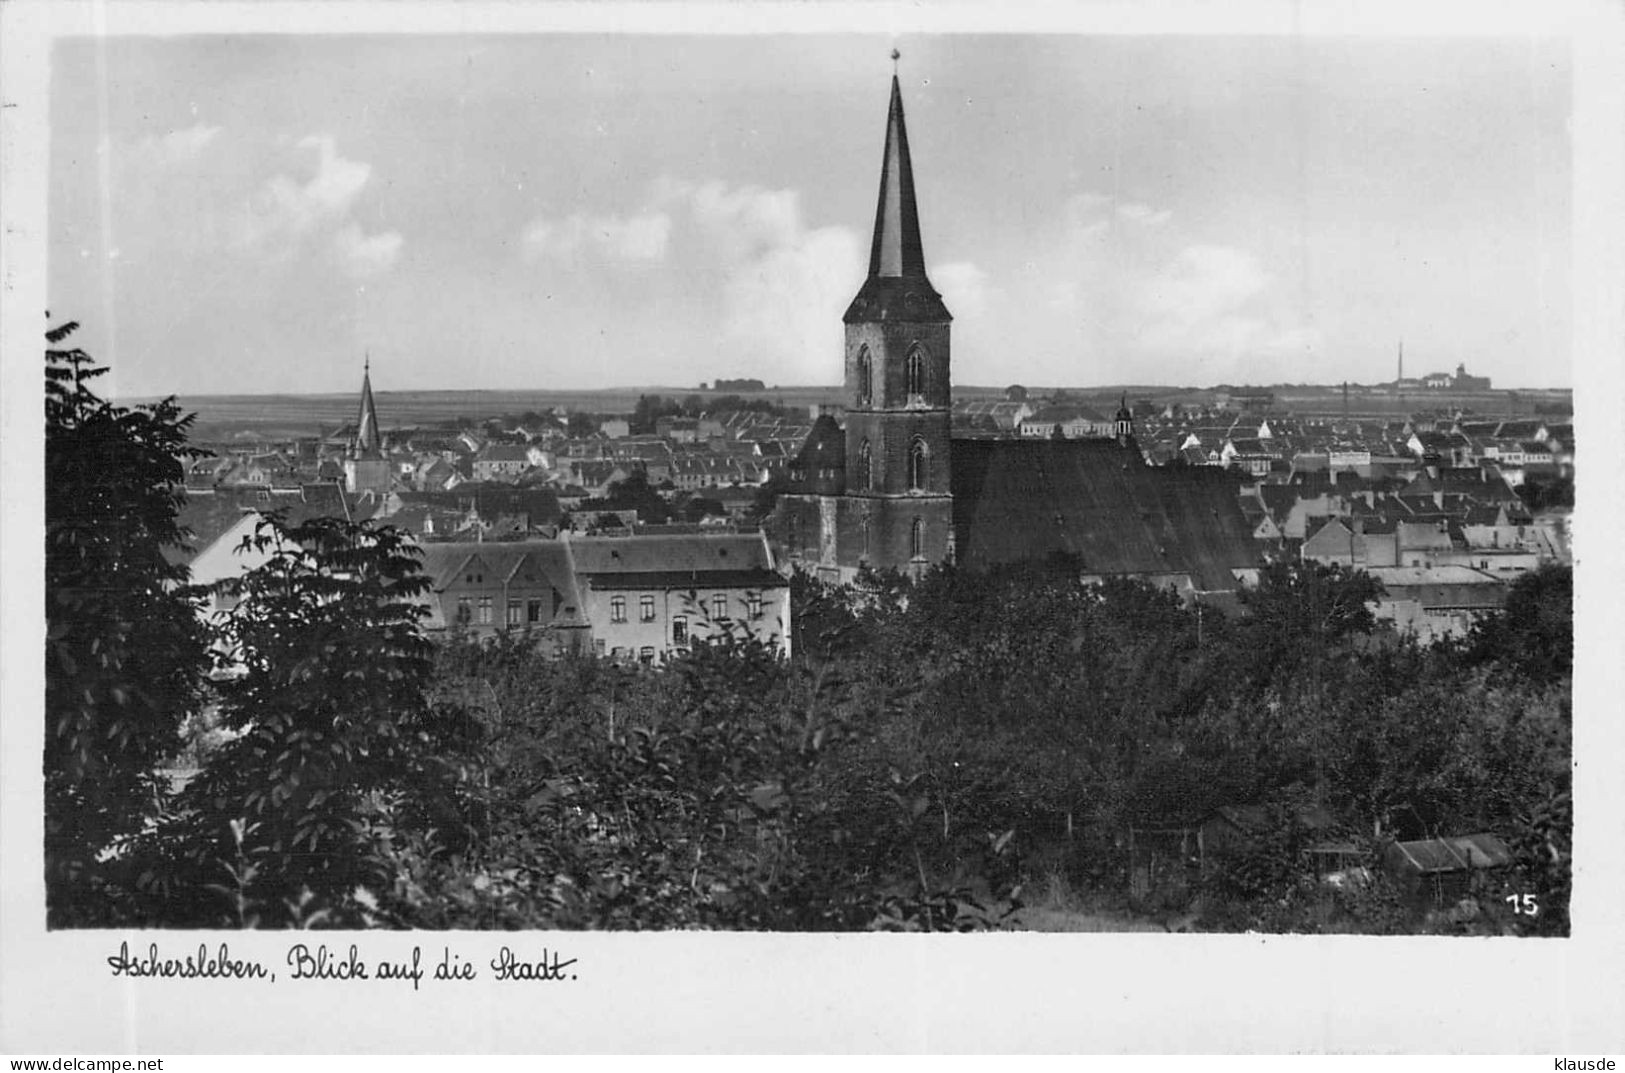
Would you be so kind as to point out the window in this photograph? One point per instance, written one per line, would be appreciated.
(919, 464)
(617, 609)
(646, 654)
(533, 611)
(598, 646)
(516, 613)
(485, 611)
(865, 377)
(719, 607)
(646, 608)
(916, 539)
(914, 371)
(679, 630)
(465, 610)
(754, 603)
(865, 474)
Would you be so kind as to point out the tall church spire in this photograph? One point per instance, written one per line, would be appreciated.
(897, 286)
(896, 250)
(368, 440)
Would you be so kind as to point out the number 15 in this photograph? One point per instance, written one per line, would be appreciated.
(1524, 904)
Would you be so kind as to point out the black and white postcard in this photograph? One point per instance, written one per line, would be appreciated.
(811, 528)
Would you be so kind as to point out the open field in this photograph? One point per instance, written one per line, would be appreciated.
(275, 415)
(304, 415)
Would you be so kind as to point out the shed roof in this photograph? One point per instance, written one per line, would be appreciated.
(1457, 853)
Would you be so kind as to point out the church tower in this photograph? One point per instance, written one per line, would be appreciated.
(898, 390)
(365, 467)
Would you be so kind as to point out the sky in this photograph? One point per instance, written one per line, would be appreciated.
(257, 213)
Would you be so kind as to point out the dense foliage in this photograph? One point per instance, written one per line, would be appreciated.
(333, 740)
(125, 650)
(934, 753)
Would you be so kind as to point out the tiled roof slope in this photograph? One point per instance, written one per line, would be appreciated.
(1098, 501)
(686, 554)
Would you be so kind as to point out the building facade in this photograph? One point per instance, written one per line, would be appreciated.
(632, 597)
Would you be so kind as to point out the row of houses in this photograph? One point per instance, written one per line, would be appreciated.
(638, 597)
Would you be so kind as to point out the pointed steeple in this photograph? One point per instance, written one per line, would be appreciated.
(368, 440)
(897, 286)
(896, 250)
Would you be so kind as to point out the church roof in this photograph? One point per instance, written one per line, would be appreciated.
(897, 287)
(820, 466)
(1097, 500)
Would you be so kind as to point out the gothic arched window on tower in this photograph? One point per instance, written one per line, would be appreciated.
(919, 464)
(865, 474)
(914, 368)
(916, 540)
(865, 377)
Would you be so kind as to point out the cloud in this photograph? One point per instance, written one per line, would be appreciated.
(1118, 293)
(1086, 207)
(1203, 282)
(782, 308)
(1217, 302)
(169, 150)
(775, 286)
(746, 221)
(641, 238)
(286, 217)
(784, 284)
(1144, 214)
(364, 255)
(964, 287)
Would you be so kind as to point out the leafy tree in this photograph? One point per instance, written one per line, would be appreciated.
(633, 493)
(1299, 611)
(125, 646)
(648, 410)
(1533, 635)
(580, 425)
(328, 689)
(698, 508)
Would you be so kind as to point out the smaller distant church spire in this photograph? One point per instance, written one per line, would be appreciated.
(1124, 421)
(366, 470)
(368, 439)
